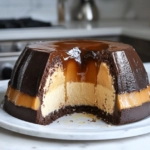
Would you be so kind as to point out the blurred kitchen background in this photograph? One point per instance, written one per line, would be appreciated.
(46, 10)
(24, 22)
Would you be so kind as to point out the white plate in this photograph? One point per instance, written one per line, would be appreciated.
(75, 127)
(72, 127)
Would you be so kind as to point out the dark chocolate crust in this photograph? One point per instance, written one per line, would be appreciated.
(22, 113)
(134, 114)
(127, 70)
(122, 117)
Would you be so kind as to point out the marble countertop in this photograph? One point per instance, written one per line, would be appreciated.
(136, 28)
(15, 141)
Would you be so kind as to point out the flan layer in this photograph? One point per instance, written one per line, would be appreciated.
(21, 99)
(92, 76)
(124, 101)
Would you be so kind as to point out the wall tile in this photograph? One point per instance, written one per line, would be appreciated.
(47, 9)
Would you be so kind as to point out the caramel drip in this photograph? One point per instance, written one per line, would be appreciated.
(91, 72)
(79, 64)
(72, 71)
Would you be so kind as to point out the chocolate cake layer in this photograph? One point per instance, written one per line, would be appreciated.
(127, 70)
(22, 113)
(134, 114)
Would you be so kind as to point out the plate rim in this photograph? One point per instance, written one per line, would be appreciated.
(75, 135)
(67, 135)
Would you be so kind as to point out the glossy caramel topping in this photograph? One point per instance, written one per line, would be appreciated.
(86, 45)
(74, 72)
(91, 72)
(71, 71)
(66, 45)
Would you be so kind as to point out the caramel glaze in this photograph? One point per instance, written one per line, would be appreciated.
(83, 57)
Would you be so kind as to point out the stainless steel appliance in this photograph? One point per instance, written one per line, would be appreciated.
(86, 10)
(9, 52)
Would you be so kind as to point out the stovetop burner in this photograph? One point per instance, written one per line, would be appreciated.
(22, 23)
(10, 50)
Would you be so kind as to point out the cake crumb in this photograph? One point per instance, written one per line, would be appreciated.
(108, 125)
(93, 120)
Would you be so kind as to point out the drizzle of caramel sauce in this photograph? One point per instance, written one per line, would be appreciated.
(80, 59)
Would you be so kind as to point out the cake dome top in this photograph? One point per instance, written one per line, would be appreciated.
(83, 45)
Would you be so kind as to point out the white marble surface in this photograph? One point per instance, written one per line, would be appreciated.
(15, 141)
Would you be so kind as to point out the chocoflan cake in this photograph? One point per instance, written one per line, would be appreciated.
(52, 79)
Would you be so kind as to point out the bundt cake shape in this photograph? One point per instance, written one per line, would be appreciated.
(55, 78)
